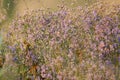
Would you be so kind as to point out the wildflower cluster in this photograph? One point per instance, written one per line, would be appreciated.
(103, 24)
(66, 44)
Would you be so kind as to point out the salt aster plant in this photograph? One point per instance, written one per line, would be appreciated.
(41, 38)
(103, 25)
(69, 44)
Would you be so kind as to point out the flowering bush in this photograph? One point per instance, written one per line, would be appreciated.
(69, 44)
(102, 24)
(105, 28)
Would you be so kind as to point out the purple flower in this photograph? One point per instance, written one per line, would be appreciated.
(119, 39)
(108, 62)
(12, 48)
(15, 59)
(115, 45)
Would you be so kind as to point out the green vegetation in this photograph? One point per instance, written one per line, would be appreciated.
(9, 6)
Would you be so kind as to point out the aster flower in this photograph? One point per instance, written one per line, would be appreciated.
(119, 39)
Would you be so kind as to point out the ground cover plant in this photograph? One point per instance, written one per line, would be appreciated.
(81, 43)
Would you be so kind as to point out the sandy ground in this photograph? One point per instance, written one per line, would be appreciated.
(36, 4)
